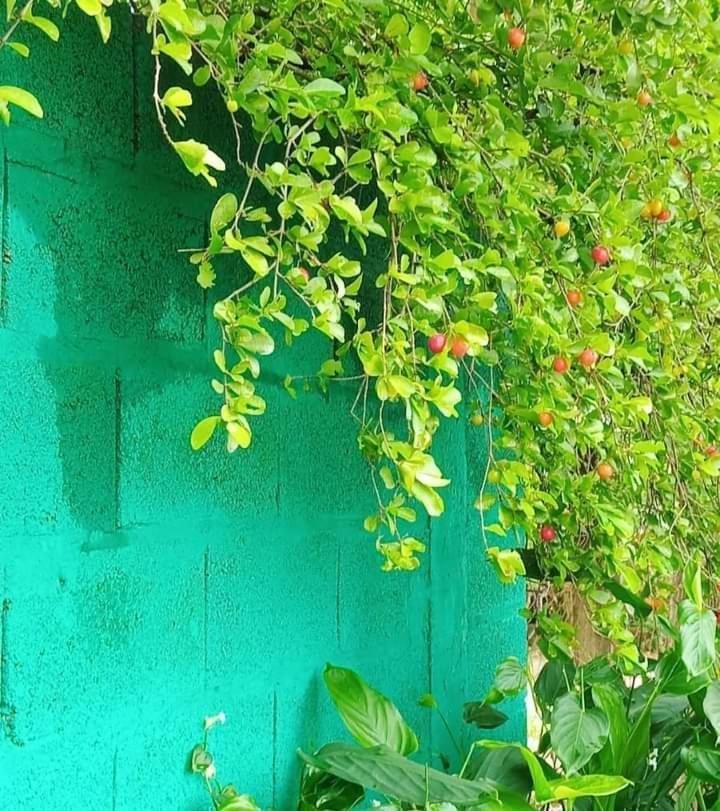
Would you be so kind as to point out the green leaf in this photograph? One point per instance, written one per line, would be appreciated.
(420, 38)
(703, 763)
(324, 87)
(90, 7)
(202, 432)
(224, 211)
(483, 715)
(711, 706)
(576, 732)
(587, 785)
(240, 432)
(370, 718)
(48, 27)
(507, 563)
(18, 47)
(397, 26)
(21, 98)
(697, 637)
(510, 677)
(389, 773)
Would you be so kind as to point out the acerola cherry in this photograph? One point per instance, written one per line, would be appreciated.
(625, 47)
(655, 206)
(546, 419)
(436, 343)
(574, 298)
(420, 81)
(664, 215)
(655, 603)
(459, 348)
(477, 418)
(516, 38)
(605, 471)
(674, 141)
(560, 365)
(644, 99)
(304, 273)
(561, 228)
(232, 105)
(588, 358)
(547, 533)
(600, 255)
(711, 450)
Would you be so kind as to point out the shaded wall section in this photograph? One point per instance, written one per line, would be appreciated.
(143, 586)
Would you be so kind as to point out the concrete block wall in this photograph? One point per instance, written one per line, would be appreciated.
(143, 586)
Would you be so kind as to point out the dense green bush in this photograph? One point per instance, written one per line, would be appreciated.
(609, 742)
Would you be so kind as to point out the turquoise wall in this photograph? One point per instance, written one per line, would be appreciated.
(144, 586)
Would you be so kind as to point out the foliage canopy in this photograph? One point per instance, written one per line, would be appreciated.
(539, 180)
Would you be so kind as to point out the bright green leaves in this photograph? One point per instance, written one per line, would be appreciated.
(577, 732)
(420, 38)
(174, 99)
(199, 159)
(507, 563)
(370, 717)
(223, 213)
(697, 635)
(202, 432)
(19, 98)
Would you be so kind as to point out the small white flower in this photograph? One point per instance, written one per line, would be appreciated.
(210, 772)
(653, 759)
(213, 720)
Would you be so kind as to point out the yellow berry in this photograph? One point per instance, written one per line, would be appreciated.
(655, 206)
(562, 228)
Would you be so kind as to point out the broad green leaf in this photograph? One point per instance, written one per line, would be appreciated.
(203, 431)
(371, 718)
(697, 638)
(576, 732)
(702, 762)
(587, 785)
(387, 772)
(510, 677)
(711, 706)
(483, 715)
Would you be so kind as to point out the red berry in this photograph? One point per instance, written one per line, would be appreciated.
(547, 533)
(436, 343)
(420, 81)
(459, 348)
(711, 450)
(674, 140)
(545, 418)
(574, 298)
(605, 471)
(644, 99)
(600, 255)
(664, 215)
(516, 38)
(560, 365)
(588, 358)
(304, 273)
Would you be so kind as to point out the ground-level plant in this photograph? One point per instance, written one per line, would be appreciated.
(610, 741)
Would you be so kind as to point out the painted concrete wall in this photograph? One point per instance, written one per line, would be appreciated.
(143, 586)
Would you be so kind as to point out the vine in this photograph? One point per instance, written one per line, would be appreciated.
(539, 180)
